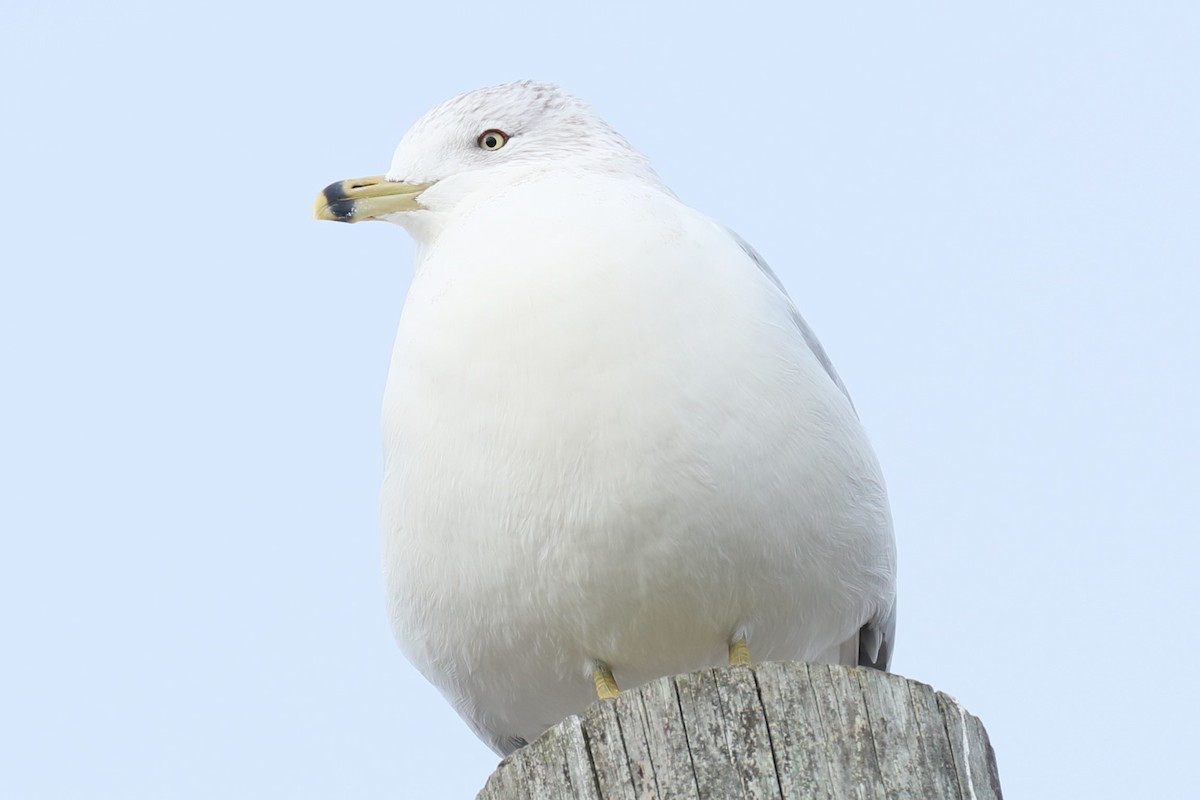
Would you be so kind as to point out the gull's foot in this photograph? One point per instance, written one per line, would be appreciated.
(606, 684)
(739, 653)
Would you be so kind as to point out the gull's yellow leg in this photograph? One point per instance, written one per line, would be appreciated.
(739, 653)
(606, 684)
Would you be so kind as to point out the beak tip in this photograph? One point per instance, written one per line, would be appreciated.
(333, 210)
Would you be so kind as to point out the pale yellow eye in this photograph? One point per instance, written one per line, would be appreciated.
(492, 139)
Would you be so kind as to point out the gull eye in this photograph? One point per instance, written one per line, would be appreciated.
(492, 139)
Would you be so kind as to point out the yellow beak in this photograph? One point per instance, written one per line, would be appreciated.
(366, 198)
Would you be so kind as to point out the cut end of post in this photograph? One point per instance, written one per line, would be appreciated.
(775, 730)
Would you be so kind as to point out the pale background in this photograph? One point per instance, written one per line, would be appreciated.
(990, 216)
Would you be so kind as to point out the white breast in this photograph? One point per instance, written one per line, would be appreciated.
(606, 439)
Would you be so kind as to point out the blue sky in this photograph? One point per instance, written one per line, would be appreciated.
(988, 215)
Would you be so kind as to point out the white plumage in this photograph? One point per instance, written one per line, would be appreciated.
(609, 437)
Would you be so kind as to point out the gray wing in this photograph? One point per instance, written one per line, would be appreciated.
(876, 637)
(810, 338)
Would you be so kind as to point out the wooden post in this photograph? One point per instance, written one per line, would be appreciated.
(769, 731)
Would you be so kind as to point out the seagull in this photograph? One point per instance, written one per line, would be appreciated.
(613, 448)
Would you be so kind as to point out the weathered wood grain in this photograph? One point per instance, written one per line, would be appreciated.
(768, 732)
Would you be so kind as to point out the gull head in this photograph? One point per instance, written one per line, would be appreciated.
(475, 145)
